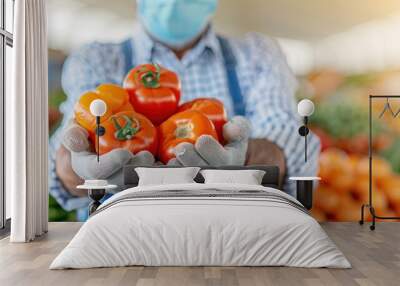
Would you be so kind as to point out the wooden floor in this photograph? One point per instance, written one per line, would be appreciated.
(375, 257)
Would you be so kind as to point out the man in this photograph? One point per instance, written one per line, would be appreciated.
(251, 78)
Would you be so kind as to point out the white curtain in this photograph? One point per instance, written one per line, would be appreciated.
(27, 124)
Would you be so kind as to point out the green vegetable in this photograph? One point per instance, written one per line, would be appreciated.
(392, 155)
(56, 213)
(56, 98)
(343, 119)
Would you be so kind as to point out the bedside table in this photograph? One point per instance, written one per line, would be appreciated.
(304, 186)
(95, 193)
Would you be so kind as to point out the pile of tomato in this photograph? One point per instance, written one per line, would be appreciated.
(145, 114)
(345, 186)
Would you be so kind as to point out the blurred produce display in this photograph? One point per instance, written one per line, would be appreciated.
(341, 121)
(344, 186)
(56, 213)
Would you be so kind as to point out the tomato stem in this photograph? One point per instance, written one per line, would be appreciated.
(149, 78)
(128, 131)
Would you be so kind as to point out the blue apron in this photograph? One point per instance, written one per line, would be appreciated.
(235, 92)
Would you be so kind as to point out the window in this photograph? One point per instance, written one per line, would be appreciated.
(6, 43)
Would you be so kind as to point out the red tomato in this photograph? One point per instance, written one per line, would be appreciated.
(154, 91)
(185, 126)
(128, 130)
(212, 108)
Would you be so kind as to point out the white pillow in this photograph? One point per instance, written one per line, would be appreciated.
(166, 176)
(248, 177)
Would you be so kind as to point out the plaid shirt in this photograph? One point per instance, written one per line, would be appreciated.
(267, 85)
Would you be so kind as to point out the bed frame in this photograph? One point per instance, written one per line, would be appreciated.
(131, 179)
(270, 179)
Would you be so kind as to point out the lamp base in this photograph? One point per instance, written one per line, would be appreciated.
(305, 192)
(96, 195)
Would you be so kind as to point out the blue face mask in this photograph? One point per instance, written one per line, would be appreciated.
(175, 22)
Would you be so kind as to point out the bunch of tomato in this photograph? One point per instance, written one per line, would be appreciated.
(146, 114)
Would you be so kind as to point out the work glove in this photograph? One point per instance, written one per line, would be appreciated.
(110, 166)
(208, 151)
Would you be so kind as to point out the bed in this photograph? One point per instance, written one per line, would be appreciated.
(198, 224)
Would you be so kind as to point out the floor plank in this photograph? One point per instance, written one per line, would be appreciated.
(375, 257)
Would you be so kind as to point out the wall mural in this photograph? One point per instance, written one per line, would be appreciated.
(340, 122)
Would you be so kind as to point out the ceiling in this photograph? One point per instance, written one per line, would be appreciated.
(296, 19)
(350, 35)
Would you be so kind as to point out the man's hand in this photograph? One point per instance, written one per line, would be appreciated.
(68, 177)
(264, 152)
(239, 151)
(208, 151)
(82, 163)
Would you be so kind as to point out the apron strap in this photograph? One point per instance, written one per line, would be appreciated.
(239, 105)
(127, 49)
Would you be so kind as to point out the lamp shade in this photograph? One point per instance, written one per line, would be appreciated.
(305, 107)
(98, 107)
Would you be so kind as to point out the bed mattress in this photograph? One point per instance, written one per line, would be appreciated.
(201, 225)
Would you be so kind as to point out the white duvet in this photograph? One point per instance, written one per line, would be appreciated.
(188, 231)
